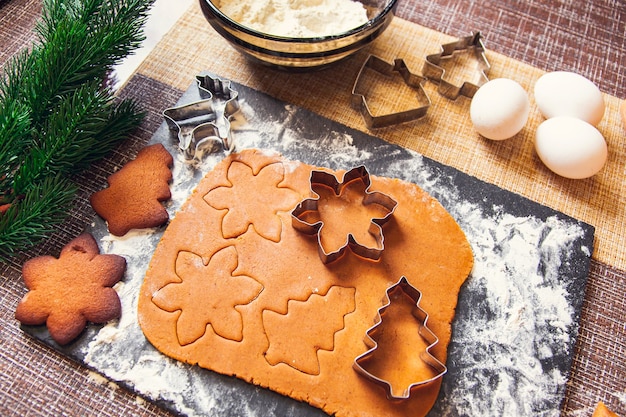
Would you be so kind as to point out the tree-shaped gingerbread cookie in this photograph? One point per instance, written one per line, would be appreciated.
(133, 198)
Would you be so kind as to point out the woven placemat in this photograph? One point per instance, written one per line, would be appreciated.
(578, 36)
(17, 19)
(445, 134)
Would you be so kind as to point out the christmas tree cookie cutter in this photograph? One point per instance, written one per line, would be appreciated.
(360, 93)
(438, 369)
(204, 125)
(312, 225)
(434, 70)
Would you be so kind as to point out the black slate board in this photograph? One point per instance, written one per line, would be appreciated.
(517, 316)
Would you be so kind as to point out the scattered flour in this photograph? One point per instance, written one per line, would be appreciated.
(503, 347)
(99, 379)
(296, 18)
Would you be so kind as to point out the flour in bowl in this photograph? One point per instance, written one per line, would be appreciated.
(296, 18)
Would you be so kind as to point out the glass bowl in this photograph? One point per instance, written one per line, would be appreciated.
(301, 53)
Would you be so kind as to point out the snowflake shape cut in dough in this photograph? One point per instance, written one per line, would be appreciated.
(252, 199)
(68, 292)
(208, 294)
(344, 215)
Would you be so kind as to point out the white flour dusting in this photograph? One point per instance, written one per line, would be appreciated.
(296, 18)
(502, 346)
(520, 323)
(120, 350)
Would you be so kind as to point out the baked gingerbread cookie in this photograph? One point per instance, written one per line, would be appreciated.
(66, 293)
(603, 411)
(236, 286)
(135, 193)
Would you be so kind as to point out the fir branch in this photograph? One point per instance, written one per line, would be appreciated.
(80, 130)
(56, 115)
(123, 118)
(15, 121)
(80, 41)
(14, 124)
(69, 134)
(46, 205)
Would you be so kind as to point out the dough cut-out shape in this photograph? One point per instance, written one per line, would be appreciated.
(208, 294)
(326, 215)
(68, 292)
(246, 206)
(133, 199)
(315, 321)
(422, 242)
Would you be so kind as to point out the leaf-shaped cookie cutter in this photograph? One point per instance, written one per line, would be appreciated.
(370, 197)
(433, 71)
(422, 317)
(204, 125)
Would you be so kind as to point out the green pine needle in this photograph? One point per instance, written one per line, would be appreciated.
(122, 119)
(34, 216)
(57, 115)
(15, 124)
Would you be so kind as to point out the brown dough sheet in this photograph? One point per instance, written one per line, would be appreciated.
(295, 325)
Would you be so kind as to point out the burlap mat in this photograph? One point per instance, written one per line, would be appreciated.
(446, 134)
(35, 380)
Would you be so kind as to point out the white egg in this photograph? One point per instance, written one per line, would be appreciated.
(571, 147)
(563, 93)
(499, 109)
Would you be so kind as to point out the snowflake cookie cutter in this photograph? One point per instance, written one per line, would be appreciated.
(204, 125)
(302, 211)
(437, 367)
(360, 93)
(434, 71)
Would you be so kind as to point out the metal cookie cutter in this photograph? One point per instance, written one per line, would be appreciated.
(360, 90)
(220, 91)
(204, 125)
(433, 70)
(438, 368)
(310, 205)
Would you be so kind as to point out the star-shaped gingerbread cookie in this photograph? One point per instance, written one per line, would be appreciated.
(68, 292)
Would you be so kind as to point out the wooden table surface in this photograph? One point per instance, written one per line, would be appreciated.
(584, 37)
